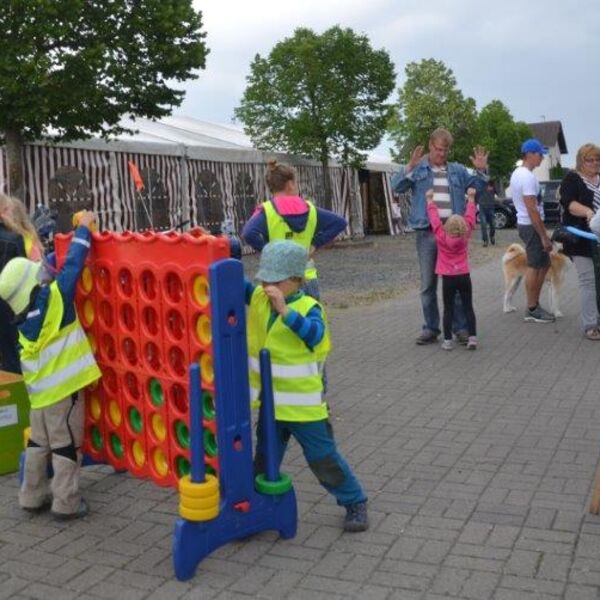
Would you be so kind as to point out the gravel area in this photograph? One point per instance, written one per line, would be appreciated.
(381, 267)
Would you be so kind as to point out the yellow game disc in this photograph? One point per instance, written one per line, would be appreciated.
(139, 456)
(203, 330)
(87, 281)
(88, 312)
(92, 340)
(158, 427)
(160, 462)
(206, 368)
(114, 411)
(95, 408)
(200, 290)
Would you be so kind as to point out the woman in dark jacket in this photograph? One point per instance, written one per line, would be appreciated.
(580, 199)
(11, 245)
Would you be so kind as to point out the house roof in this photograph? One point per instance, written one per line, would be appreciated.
(550, 133)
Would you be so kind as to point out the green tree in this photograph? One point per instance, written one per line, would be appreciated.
(70, 69)
(498, 132)
(430, 99)
(320, 96)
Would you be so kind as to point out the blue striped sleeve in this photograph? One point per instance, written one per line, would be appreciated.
(309, 329)
(74, 262)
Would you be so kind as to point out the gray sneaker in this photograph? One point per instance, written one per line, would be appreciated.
(539, 315)
(427, 337)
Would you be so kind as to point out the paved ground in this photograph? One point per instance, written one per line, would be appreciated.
(479, 468)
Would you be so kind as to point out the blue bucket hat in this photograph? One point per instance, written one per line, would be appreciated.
(533, 145)
(281, 260)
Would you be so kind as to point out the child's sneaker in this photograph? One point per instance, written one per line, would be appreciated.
(82, 511)
(447, 345)
(356, 518)
(472, 343)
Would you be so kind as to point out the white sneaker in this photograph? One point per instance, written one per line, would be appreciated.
(447, 345)
(472, 343)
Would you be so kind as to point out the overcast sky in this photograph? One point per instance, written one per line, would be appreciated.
(540, 58)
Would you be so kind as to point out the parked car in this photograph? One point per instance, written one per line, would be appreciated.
(505, 214)
(549, 194)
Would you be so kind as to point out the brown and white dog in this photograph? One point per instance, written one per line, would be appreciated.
(514, 265)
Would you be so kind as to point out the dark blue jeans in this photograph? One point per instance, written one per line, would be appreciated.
(487, 219)
(322, 456)
(427, 253)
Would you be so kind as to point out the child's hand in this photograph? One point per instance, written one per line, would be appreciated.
(471, 194)
(85, 218)
(277, 298)
(429, 196)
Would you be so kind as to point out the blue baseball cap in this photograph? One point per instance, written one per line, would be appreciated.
(533, 145)
(281, 260)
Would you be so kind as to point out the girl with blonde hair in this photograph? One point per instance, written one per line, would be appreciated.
(452, 264)
(14, 216)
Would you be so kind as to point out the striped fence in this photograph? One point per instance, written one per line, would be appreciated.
(183, 187)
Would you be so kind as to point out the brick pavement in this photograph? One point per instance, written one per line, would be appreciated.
(478, 465)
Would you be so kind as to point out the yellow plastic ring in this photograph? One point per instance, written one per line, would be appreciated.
(200, 290)
(199, 503)
(199, 515)
(208, 488)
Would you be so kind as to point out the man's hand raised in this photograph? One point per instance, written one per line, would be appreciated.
(415, 158)
(480, 158)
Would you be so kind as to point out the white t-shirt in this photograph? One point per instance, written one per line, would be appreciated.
(523, 183)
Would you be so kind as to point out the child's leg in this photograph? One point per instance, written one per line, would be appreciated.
(449, 294)
(64, 423)
(324, 460)
(465, 289)
(35, 491)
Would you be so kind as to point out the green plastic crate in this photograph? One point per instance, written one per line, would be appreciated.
(14, 418)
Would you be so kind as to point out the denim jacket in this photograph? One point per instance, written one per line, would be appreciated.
(421, 179)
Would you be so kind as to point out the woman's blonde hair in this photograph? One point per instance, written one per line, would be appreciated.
(278, 174)
(14, 215)
(455, 226)
(584, 152)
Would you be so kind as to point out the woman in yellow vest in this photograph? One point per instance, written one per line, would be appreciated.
(293, 327)
(57, 362)
(288, 216)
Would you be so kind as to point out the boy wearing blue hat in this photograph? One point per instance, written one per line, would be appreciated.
(530, 224)
(293, 327)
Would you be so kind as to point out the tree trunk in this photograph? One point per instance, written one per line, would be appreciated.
(14, 152)
(327, 200)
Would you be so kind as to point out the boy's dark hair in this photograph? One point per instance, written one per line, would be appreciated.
(278, 174)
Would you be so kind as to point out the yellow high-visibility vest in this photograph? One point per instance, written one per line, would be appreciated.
(296, 371)
(60, 362)
(278, 229)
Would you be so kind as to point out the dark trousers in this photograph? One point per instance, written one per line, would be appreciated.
(9, 355)
(451, 285)
(487, 219)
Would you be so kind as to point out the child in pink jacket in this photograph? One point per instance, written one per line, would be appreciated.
(453, 264)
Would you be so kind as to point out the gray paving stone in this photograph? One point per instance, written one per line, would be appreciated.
(478, 467)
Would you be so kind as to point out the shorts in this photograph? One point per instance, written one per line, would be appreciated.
(537, 257)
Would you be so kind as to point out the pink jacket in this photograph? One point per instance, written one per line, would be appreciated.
(452, 252)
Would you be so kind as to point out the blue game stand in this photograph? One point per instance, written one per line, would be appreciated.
(243, 510)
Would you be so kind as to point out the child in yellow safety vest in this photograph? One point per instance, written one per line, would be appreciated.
(288, 216)
(57, 362)
(293, 327)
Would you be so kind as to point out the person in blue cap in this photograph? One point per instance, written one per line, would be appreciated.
(292, 325)
(530, 224)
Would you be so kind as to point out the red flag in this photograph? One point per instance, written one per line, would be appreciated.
(137, 178)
